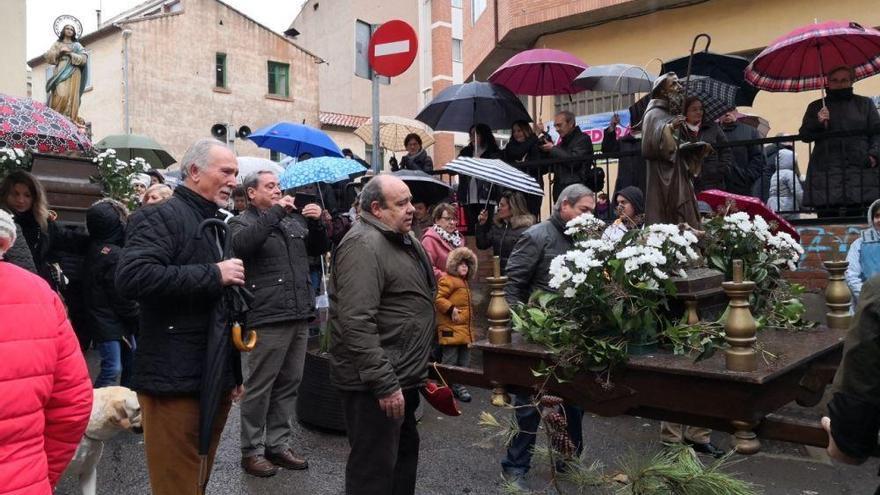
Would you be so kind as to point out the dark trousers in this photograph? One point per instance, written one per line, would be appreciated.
(519, 452)
(384, 453)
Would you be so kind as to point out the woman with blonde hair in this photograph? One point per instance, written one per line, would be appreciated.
(157, 193)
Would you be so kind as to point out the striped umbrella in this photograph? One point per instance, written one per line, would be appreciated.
(800, 60)
(497, 173)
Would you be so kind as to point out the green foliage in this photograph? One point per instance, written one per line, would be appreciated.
(115, 176)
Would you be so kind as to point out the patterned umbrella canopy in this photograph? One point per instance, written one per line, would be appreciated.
(495, 172)
(392, 131)
(717, 97)
(31, 125)
(322, 169)
(799, 60)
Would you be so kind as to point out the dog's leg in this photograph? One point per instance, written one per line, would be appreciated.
(88, 480)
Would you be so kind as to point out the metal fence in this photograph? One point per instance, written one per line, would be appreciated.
(831, 178)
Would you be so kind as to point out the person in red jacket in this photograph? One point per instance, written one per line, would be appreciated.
(45, 390)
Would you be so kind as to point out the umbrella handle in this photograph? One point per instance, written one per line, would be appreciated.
(687, 78)
(239, 343)
(227, 238)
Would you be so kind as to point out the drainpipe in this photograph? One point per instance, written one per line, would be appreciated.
(126, 34)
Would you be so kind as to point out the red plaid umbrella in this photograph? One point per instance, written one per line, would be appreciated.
(748, 204)
(31, 125)
(540, 72)
(800, 60)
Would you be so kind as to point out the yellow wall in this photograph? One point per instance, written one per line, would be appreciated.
(735, 26)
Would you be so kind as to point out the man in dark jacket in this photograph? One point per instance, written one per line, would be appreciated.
(853, 420)
(573, 143)
(174, 270)
(843, 178)
(112, 319)
(274, 241)
(382, 326)
(748, 161)
(528, 270)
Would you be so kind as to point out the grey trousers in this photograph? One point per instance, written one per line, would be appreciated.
(274, 371)
(456, 355)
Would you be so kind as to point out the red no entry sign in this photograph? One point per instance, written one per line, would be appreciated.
(393, 48)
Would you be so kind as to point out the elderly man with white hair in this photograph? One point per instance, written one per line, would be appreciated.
(176, 271)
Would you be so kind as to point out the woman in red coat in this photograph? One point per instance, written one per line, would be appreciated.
(45, 391)
(442, 237)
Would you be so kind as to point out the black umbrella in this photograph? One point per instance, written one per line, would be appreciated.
(717, 97)
(460, 106)
(728, 69)
(220, 351)
(424, 187)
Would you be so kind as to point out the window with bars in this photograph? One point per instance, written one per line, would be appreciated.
(220, 77)
(279, 79)
(592, 102)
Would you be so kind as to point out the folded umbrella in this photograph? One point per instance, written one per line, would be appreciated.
(497, 173)
(748, 204)
(295, 139)
(461, 106)
(424, 187)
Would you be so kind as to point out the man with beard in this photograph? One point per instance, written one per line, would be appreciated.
(670, 192)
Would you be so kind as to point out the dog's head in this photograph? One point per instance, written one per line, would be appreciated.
(124, 410)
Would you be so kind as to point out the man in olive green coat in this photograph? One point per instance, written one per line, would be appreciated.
(382, 326)
(853, 420)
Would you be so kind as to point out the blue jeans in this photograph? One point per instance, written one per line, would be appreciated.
(519, 452)
(116, 358)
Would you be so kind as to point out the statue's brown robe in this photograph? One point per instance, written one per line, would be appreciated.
(669, 197)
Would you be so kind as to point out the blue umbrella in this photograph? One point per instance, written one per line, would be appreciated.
(322, 169)
(460, 106)
(295, 139)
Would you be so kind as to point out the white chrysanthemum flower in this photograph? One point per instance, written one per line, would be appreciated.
(569, 292)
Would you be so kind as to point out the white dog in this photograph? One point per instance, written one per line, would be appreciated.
(114, 409)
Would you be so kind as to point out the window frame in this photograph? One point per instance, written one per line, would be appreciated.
(273, 73)
(225, 70)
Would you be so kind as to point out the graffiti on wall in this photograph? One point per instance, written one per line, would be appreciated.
(825, 240)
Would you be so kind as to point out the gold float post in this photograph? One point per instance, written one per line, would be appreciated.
(838, 297)
(740, 327)
(498, 311)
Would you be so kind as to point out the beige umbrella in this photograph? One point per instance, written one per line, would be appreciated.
(392, 131)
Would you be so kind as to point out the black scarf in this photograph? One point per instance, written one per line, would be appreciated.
(30, 228)
(518, 151)
(842, 94)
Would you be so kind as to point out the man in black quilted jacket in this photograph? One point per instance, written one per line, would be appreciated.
(175, 271)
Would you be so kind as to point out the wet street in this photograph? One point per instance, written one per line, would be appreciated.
(453, 461)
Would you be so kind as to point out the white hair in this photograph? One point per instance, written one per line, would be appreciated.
(7, 230)
(571, 195)
(197, 155)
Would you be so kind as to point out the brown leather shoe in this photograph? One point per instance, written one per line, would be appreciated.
(257, 465)
(288, 460)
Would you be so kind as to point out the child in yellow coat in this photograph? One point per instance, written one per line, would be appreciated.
(454, 323)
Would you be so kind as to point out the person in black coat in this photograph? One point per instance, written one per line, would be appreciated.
(523, 147)
(175, 270)
(112, 319)
(510, 221)
(416, 157)
(275, 241)
(748, 161)
(573, 143)
(843, 178)
(474, 194)
(716, 166)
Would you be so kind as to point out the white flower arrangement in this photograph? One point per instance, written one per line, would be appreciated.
(12, 159)
(115, 175)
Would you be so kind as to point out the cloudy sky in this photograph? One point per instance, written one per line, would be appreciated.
(275, 14)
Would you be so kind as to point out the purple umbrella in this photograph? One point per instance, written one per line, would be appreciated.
(540, 72)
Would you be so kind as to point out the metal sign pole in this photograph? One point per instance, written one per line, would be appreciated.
(377, 165)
